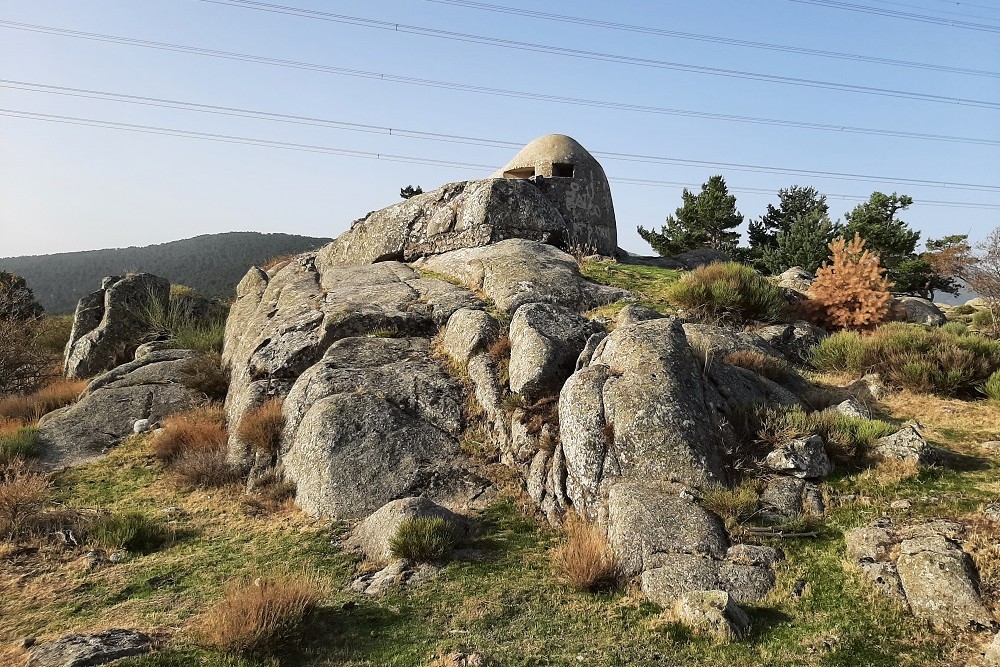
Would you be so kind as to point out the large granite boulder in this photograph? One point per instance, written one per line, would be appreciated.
(375, 420)
(458, 215)
(468, 333)
(545, 342)
(518, 271)
(915, 310)
(150, 388)
(637, 412)
(109, 324)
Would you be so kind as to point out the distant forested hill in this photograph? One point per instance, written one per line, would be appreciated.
(212, 264)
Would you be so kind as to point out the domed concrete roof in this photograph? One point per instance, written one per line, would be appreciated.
(575, 182)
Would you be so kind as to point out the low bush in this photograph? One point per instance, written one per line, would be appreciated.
(848, 439)
(25, 366)
(991, 388)
(984, 319)
(423, 539)
(30, 407)
(728, 292)
(261, 427)
(912, 357)
(204, 373)
(585, 561)
(24, 494)
(956, 328)
(259, 613)
(964, 309)
(53, 333)
(19, 443)
(132, 531)
(762, 364)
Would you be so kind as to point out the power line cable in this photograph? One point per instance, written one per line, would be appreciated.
(498, 92)
(477, 141)
(940, 11)
(314, 148)
(892, 13)
(660, 32)
(597, 55)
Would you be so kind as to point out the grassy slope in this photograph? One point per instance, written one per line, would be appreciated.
(648, 282)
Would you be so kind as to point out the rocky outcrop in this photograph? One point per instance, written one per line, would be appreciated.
(517, 271)
(469, 332)
(82, 650)
(110, 323)
(915, 310)
(637, 412)
(924, 567)
(545, 342)
(151, 387)
(458, 215)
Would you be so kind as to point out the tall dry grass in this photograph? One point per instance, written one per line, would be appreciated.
(585, 560)
(193, 445)
(24, 494)
(259, 613)
(30, 407)
(261, 427)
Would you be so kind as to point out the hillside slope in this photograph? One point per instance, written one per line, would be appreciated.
(211, 264)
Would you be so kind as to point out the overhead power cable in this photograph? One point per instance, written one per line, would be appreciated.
(597, 55)
(661, 32)
(943, 11)
(476, 141)
(314, 148)
(893, 13)
(497, 92)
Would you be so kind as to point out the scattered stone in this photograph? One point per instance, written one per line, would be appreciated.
(852, 407)
(901, 504)
(802, 457)
(141, 426)
(795, 341)
(82, 650)
(713, 613)
(868, 388)
(907, 444)
(796, 279)
(394, 576)
(787, 498)
(992, 512)
(117, 557)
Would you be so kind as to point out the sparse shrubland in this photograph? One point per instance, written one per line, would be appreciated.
(186, 329)
(734, 505)
(729, 292)
(423, 539)
(258, 613)
(913, 357)
(984, 320)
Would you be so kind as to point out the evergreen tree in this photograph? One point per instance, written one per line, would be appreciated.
(17, 301)
(410, 191)
(885, 235)
(706, 220)
(805, 243)
(792, 203)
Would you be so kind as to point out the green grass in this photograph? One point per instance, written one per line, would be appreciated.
(185, 332)
(991, 388)
(133, 531)
(423, 539)
(650, 283)
(21, 444)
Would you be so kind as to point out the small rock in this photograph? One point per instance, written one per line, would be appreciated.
(901, 504)
(117, 557)
(906, 444)
(992, 512)
(141, 426)
(713, 613)
(852, 407)
(80, 650)
(28, 642)
(801, 457)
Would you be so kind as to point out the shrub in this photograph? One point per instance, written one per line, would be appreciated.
(132, 531)
(19, 444)
(729, 291)
(205, 468)
(53, 333)
(259, 613)
(956, 328)
(983, 319)
(585, 561)
(912, 357)
(204, 373)
(423, 539)
(762, 364)
(25, 366)
(847, 438)
(991, 388)
(261, 427)
(23, 496)
(964, 309)
(850, 292)
(29, 408)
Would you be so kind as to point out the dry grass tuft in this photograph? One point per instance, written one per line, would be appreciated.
(24, 494)
(194, 444)
(29, 408)
(500, 349)
(204, 373)
(982, 542)
(762, 364)
(735, 505)
(887, 474)
(261, 427)
(277, 262)
(585, 561)
(259, 613)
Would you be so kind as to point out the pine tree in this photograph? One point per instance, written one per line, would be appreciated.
(792, 203)
(805, 243)
(706, 220)
(885, 235)
(410, 191)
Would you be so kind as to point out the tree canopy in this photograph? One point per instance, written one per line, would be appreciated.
(793, 202)
(705, 220)
(804, 243)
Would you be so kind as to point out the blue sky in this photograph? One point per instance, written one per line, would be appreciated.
(69, 187)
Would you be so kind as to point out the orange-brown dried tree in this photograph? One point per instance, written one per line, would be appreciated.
(851, 290)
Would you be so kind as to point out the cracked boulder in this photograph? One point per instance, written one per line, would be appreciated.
(924, 567)
(375, 420)
(109, 324)
(151, 388)
(906, 444)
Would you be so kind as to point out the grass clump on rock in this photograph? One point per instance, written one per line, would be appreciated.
(922, 360)
(423, 539)
(728, 292)
(132, 531)
(259, 613)
(585, 560)
(261, 427)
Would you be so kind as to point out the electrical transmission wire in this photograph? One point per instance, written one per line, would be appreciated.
(497, 92)
(314, 148)
(660, 32)
(599, 56)
(942, 11)
(476, 141)
(892, 13)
